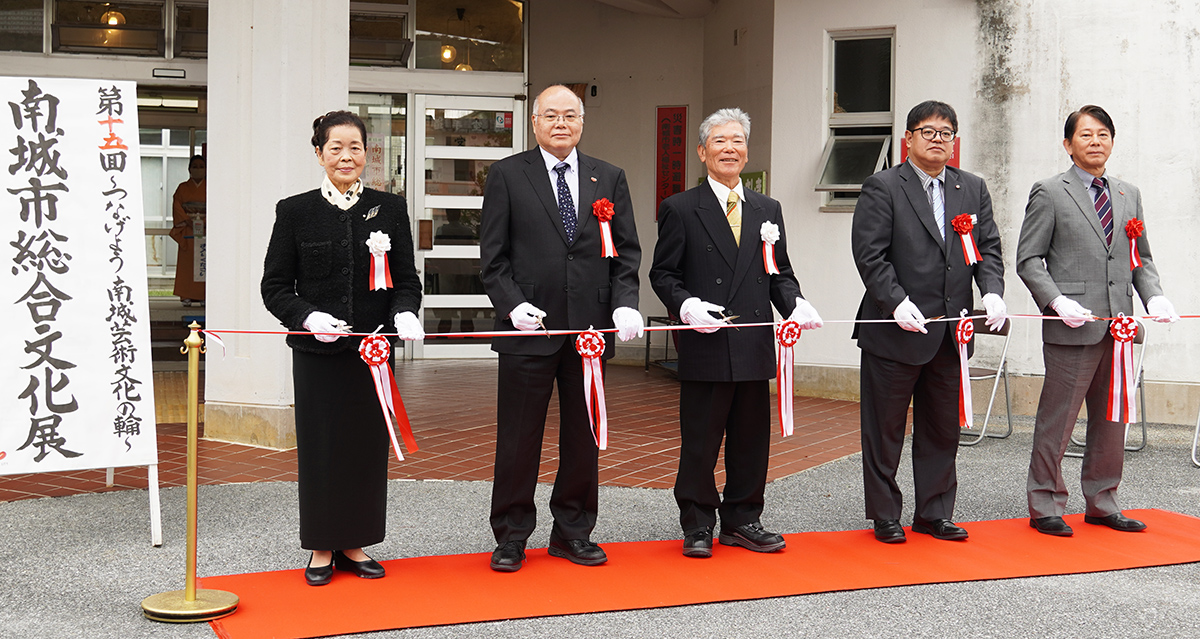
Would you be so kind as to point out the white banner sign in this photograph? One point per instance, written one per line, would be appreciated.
(76, 389)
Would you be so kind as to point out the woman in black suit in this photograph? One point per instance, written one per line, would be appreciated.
(317, 278)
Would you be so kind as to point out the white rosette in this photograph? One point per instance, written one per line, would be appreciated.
(379, 244)
(770, 234)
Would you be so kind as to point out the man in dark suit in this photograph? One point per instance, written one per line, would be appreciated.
(542, 266)
(1074, 256)
(912, 262)
(708, 270)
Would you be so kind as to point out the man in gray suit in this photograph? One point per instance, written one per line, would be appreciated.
(1074, 256)
(912, 262)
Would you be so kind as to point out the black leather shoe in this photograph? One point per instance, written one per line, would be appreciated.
(1051, 526)
(369, 569)
(318, 576)
(698, 543)
(752, 536)
(889, 531)
(940, 529)
(508, 556)
(579, 551)
(1116, 521)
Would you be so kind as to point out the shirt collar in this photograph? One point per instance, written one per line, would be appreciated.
(722, 191)
(1088, 177)
(343, 201)
(927, 178)
(551, 161)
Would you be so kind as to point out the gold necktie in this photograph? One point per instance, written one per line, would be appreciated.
(734, 216)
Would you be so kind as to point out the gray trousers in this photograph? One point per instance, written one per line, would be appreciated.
(1075, 374)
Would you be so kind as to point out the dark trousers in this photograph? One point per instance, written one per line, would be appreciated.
(1075, 374)
(887, 388)
(739, 412)
(523, 394)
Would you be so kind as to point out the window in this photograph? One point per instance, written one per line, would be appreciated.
(133, 28)
(191, 30)
(860, 114)
(379, 33)
(471, 35)
(21, 25)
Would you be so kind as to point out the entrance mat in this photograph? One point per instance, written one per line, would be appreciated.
(454, 589)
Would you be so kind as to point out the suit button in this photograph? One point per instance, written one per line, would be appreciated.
(345, 242)
(718, 280)
(947, 298)
(345, 271)
(1111, 258)
(709, 248)
(345, 299)
(757, 313)
(342, 217)
(570, 257)
(565, 289)
(760, 280)
(948, 267)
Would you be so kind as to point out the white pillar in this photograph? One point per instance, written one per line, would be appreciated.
(273, 66)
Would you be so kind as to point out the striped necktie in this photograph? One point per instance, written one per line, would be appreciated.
(1103, 209)
(734, 216)
(939, 207)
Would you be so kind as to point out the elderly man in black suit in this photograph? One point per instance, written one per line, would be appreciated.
(541, 259)
(709, 270)
(912, 262)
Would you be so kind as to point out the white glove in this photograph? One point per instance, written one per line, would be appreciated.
(806, 315)
(408, 327)
(997, 311)
(628, 322)
(698, 314)
(525, 317)
(909, 317)
(1071, 312)
(318, 322)
(1163, 308)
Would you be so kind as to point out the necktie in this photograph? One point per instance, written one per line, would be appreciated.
(939, 208)
(566, 206)
(1103, 209)
(734, 216)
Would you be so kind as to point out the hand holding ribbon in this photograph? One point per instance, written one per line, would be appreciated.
(698, 314)
(909, 317)
(997, 311)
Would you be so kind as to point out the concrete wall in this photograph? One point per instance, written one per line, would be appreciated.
(738, 41)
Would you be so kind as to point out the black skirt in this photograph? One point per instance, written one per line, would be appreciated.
(342, 449)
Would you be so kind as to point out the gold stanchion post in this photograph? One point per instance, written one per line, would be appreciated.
(190, 604)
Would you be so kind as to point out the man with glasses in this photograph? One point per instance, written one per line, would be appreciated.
(908, 235)
(542, 262)
(1074, 255)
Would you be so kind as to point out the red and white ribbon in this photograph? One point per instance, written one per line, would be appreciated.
(381, 276)
(374, 350)
(1123, 385)
(962, 335)
(770, 235)
(1133, 230)
(786, 336)
(590, 345)
(603, 210)
(963, 225)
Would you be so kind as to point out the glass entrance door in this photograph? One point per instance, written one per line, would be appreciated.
(459, 139)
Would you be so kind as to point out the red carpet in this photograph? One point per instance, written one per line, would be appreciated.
(452, 589)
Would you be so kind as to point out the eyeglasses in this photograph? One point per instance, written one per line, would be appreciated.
(555, 118)
(929, 134)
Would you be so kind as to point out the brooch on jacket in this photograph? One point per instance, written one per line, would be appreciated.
(372, 213)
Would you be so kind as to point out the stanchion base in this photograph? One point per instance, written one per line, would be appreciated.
(173, 607)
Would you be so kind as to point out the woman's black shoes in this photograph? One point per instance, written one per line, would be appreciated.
(318, 576)
(369, 569)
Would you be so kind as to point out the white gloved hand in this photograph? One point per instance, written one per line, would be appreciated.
(697, 313)
(628, 322)
(1071, 312)
(525, 317)
(318, 322)
(909, 317)
(408, 327)
(997, 311)
(806, 315)
(1163, 308)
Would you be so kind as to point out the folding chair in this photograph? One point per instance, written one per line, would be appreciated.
(995, 374)
(1139, 338)
(1195, 441)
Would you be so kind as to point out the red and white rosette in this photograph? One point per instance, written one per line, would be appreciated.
(786, 336)
(963, 225)
(963, 334)
(1133, 230)
(590, 345)
(770, 235)
(1122, 386)
(379, 244)
(603, 210)
(374, 350)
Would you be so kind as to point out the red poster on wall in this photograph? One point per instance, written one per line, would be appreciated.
(671, 161)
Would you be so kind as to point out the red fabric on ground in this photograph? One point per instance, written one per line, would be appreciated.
(452, 589)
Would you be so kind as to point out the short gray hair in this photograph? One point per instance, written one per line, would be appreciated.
(537, 110)
(724, 116)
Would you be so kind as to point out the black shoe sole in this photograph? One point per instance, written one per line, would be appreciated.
(554, 551)
(320, 581)
(505, 567)
(898, 539)
(738, 540)
(702, 553)
(928, 530)
(1053, 533)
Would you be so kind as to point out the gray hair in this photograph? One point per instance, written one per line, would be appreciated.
(536, 107)
(724, 116)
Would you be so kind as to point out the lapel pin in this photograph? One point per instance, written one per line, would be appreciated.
(1121, 192)
(594, 179)
(958, 186)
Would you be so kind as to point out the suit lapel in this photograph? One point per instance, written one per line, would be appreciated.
(587, 193)
(953, 203)
(712, 216)
(1079, 192)
(752, 219)
(1122, 211)
(539, 179)
(920, 202)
